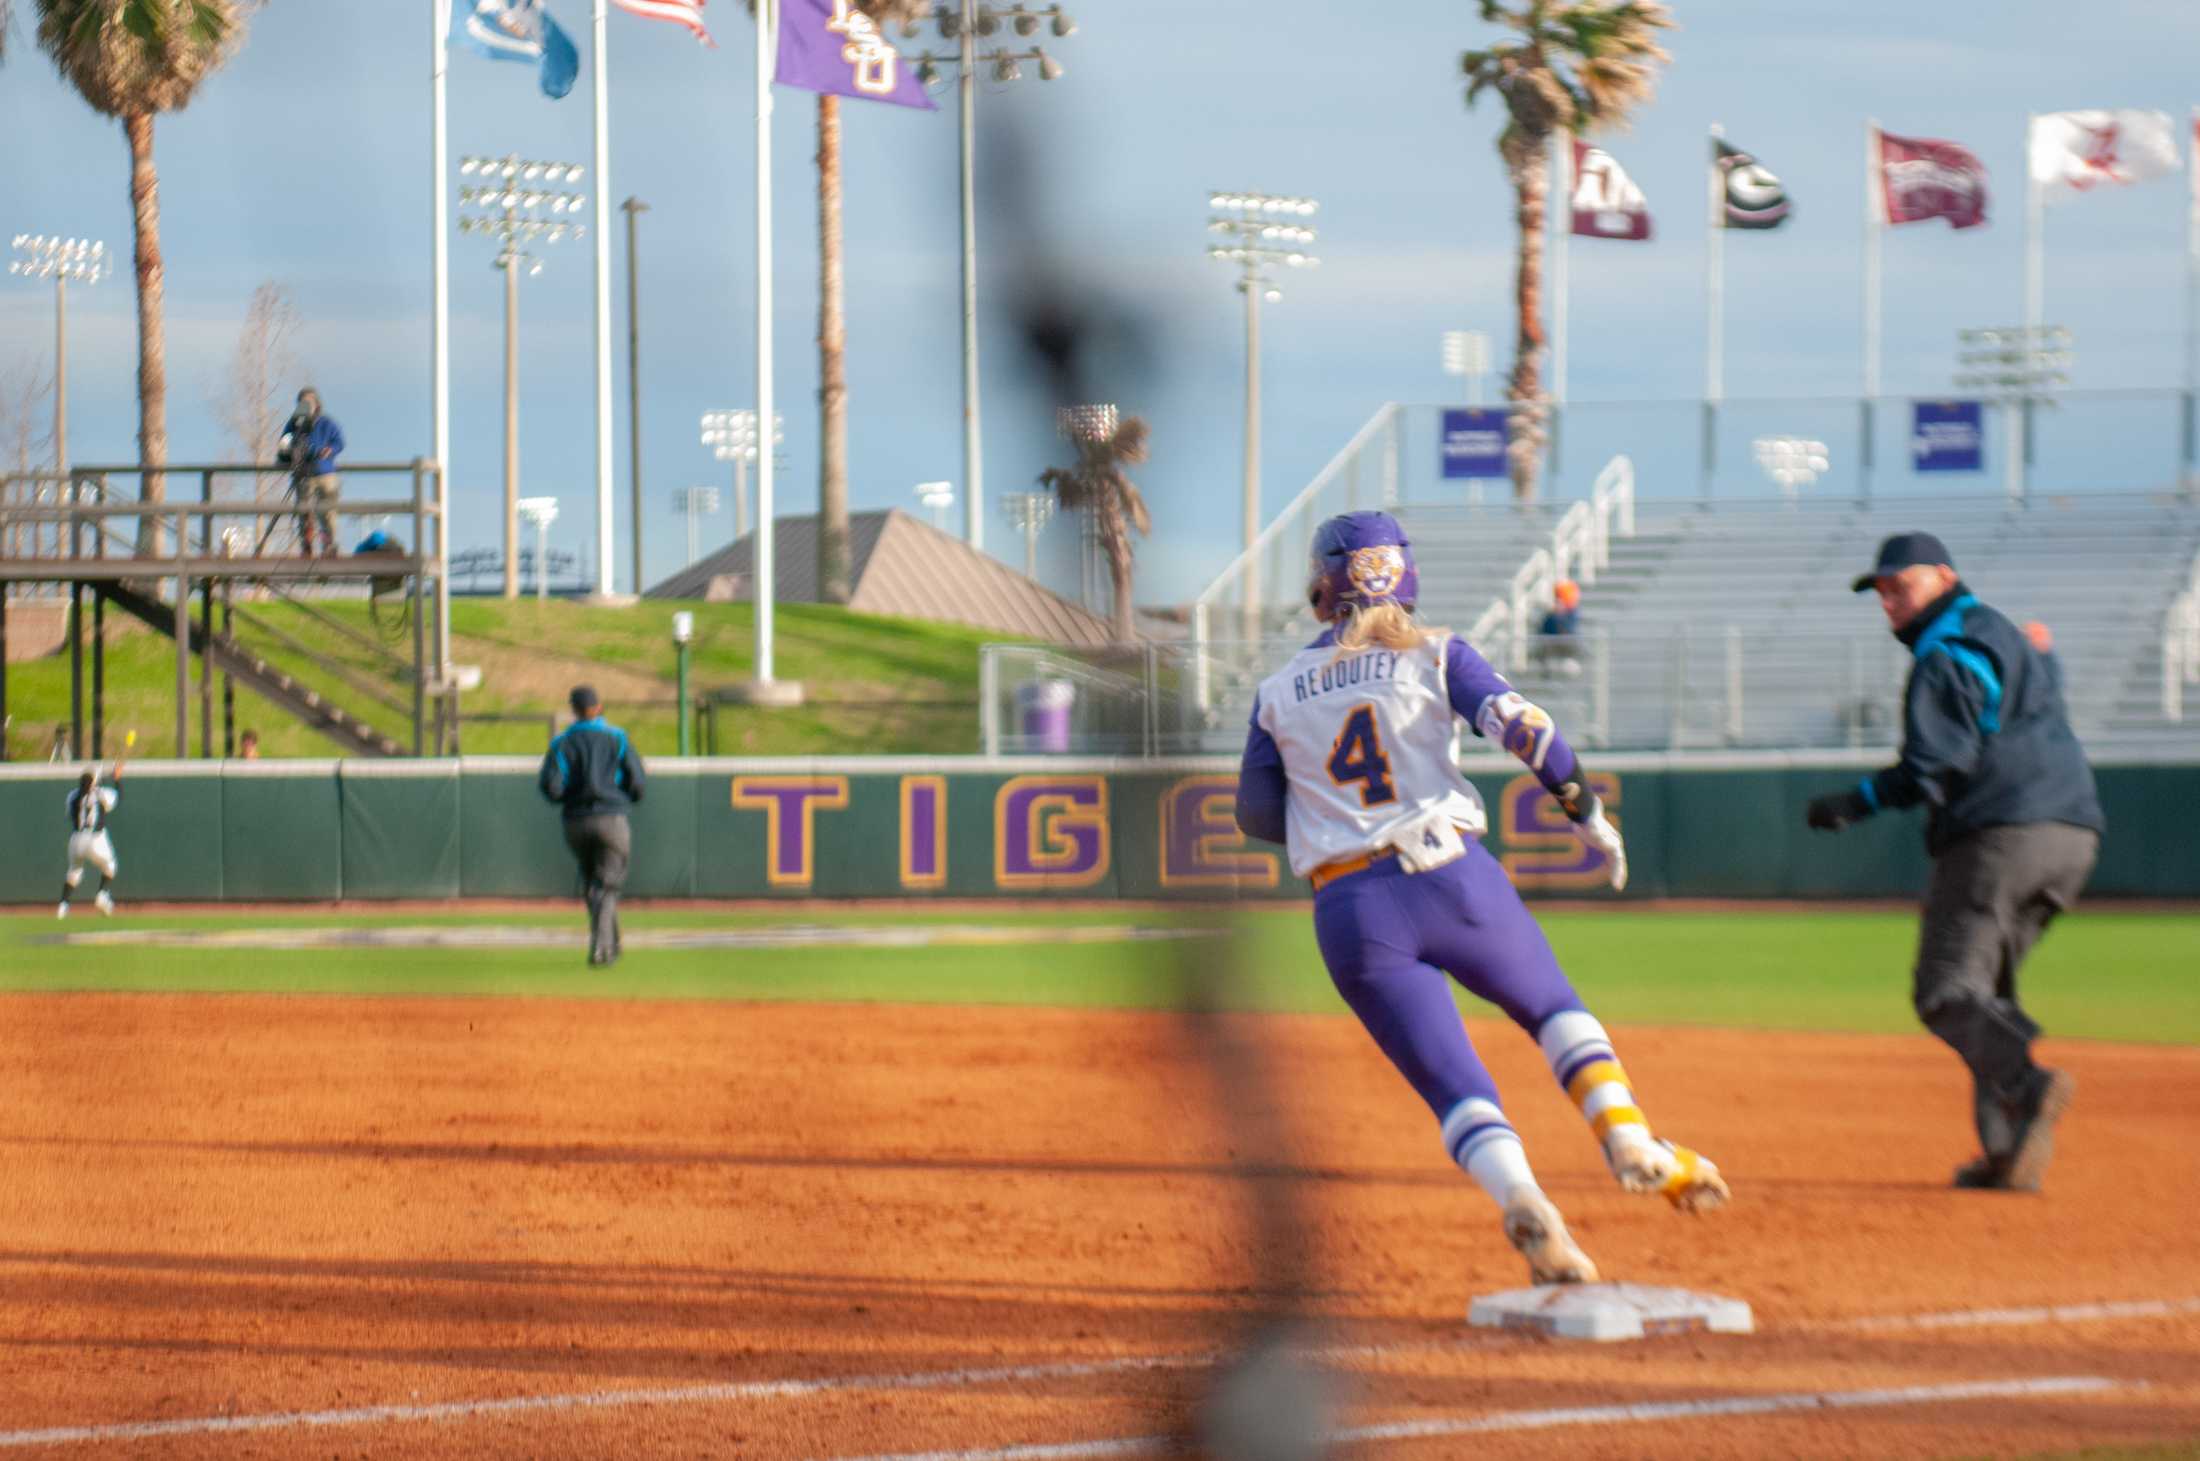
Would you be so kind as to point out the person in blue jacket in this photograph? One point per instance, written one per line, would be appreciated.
(311, 443)
(2013, 827)
(594, 774)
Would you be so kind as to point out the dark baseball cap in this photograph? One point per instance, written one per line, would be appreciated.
(583, 699)
(1903, 550)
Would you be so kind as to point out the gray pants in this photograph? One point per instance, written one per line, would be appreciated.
(1990, 898)
(317, 510)
(602, 845)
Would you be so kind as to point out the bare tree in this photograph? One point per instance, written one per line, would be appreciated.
(252, 402)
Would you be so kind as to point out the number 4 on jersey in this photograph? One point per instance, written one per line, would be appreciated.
(1358, 756)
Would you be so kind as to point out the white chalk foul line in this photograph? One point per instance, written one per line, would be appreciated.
(2050, 1314)
(935, 1380)
(1587, 1415)
(596, 1400)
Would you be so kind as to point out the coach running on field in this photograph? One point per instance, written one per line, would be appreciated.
(594, 773)
(2013, 830)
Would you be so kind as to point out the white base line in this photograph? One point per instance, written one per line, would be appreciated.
(597, 1400)
(931, 1380)
(2057, 1314)
(1532, 1420)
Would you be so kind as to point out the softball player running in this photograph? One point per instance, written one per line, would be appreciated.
(89, 807)
(1351, 762)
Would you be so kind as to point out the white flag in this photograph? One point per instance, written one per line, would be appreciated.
(2074, 153)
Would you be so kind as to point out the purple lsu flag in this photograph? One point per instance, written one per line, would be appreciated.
(830, 46)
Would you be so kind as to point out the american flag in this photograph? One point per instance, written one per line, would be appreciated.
(687, 12)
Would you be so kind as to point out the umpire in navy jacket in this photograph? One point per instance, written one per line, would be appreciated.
(594, 774)
(2013, 827)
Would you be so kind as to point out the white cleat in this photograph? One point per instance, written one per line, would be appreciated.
(1533, 1226)
(63, 910)
(105, 904)
(1687, 1179)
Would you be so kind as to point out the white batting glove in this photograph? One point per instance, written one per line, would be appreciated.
(1596, 832)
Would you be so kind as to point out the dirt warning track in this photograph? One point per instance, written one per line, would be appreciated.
(336, 1226)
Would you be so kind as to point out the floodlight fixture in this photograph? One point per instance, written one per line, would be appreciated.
(962, 23)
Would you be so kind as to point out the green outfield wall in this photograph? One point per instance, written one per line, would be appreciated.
(1696, 827)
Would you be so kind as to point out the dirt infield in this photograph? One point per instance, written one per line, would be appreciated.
(332, 1226)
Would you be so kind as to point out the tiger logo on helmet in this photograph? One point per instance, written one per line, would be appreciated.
(1375, 571)
(1361, 559)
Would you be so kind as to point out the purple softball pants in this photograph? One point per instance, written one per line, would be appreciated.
(1390, 937)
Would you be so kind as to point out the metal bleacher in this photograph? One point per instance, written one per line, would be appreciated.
(1733, 625)
(1708, 624)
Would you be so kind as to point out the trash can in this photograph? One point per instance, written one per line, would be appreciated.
(1044, 706)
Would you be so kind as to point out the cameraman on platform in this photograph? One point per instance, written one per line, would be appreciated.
(310, 445)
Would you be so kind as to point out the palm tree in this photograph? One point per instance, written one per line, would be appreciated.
(131, 59)
(1099, 485)
(832, 328)
(1576, 65)
(832, 366)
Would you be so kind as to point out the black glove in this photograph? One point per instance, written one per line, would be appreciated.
(1835, 810)
(1576, 800)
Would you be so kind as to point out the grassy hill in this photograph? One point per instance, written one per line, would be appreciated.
(875, 685)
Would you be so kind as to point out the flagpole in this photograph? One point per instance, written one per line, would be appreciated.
(966, 89)
(2020, 409)
(439, 322)
(1874, 238)
(1715, 314)
(1562, 147)
(767, 47)
(602, 193)
(2192, 308)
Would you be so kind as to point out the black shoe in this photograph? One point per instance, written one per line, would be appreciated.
(1982, 1174)
(2049, 1098)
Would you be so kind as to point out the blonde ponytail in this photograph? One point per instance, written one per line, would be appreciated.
(1388, 625)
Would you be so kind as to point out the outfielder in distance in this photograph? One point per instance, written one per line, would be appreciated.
(1350, 761)
(89, 807)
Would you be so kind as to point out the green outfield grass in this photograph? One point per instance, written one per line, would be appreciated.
(2102, 974)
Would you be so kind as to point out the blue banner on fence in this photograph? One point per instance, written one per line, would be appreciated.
(1474, 442)
(1947, 436)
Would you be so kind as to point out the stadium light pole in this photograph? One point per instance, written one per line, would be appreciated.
(510, 194)
(731, 436)
(1029, 512)
(1792, 462)
(939, 497)
(40, 256)
(696, 502)
(540, 512)
(1467, 353)
(2018, 367)
(964, 22)
(1258, 231)
(634, 208)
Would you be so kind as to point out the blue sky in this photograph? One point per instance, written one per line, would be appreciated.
(306, 163)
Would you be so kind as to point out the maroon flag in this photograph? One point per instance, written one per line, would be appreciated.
(1922, 179)
(1606, 202)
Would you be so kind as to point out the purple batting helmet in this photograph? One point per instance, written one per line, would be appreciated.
(1362, 559)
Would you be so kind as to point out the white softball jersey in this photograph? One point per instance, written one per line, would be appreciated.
(1369, 745)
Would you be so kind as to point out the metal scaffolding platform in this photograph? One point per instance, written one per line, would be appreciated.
(151, 559)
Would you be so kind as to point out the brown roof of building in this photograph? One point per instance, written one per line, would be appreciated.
(898, 565)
